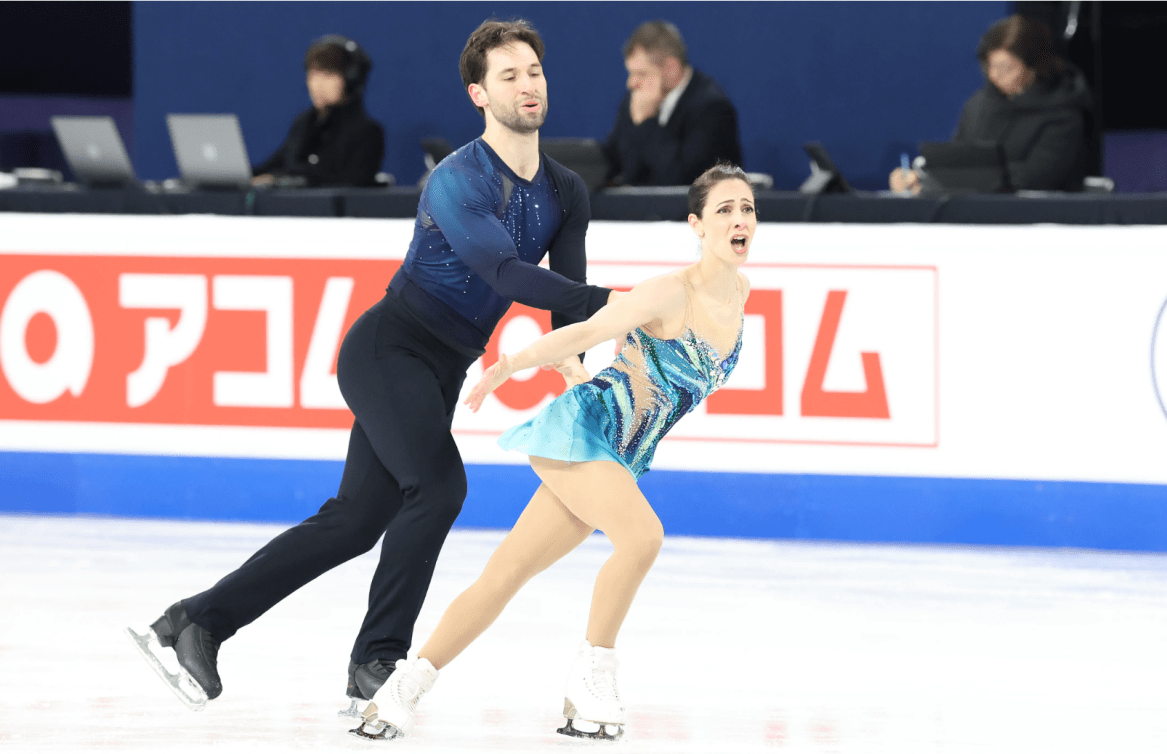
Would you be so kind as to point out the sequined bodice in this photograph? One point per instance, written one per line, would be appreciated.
(652, 384)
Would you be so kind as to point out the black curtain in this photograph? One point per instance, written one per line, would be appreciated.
(76, 48)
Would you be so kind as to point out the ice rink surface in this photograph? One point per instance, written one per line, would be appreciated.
(732, 646)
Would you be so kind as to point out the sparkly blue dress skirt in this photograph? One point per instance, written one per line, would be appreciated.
(574, 427)
(624, 411)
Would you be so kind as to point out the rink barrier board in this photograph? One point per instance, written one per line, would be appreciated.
(896, 383)
(744, 505)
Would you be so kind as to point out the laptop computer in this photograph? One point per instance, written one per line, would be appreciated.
(94, 150)
(209, 150)
(584, 157)
(966, 166)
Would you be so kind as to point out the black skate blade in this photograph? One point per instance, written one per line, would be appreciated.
(183, 686)
(602, 734)
(377, 730)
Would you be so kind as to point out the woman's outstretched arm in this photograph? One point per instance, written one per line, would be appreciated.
(653, 300)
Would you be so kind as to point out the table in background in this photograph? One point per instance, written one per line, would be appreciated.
(632, 204)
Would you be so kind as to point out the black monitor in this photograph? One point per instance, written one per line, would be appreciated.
(966, 166)
(825, 177)
(585, 157)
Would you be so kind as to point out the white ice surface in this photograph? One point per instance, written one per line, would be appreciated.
(732, 646)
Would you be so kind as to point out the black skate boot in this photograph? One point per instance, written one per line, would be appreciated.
(196, 651)
(363, 683)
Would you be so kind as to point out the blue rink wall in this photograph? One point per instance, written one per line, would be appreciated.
(796, 506)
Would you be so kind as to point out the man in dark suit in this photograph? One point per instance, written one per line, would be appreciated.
(674, 122)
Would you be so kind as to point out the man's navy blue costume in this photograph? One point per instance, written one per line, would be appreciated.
(480, 232)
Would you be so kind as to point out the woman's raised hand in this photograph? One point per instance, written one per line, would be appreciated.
(494, 376)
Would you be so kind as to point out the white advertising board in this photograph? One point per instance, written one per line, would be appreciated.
(986, 352)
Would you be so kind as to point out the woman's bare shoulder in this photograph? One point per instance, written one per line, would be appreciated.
(669, 303)
(668, 289)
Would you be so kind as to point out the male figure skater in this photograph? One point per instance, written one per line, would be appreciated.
(487, 216)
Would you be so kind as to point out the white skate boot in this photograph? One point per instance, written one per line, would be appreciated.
(591, 703)
(390, 714)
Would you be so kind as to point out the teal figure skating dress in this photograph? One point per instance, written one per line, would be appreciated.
(624, 411)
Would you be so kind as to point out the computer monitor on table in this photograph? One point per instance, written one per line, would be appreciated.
(585, 157)
(209, 150)
(966, 166)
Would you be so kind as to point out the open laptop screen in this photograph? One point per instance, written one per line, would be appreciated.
(209, 150)
(94, 149)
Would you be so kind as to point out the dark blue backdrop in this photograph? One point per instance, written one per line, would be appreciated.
(868, 79)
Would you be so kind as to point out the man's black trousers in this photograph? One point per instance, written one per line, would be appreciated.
(403, 477)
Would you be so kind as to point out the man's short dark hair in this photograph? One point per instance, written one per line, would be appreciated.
(660, 40)
(491, 35)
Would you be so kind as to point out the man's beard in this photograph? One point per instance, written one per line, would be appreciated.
(516, 121)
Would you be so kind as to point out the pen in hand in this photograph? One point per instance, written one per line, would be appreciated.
(906, 171)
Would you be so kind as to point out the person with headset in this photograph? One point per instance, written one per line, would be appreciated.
(334, 142)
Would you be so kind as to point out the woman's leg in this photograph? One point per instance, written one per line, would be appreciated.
(603, 495)
(544, 533)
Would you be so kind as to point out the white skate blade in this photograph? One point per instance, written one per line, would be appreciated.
(373, 729)
(602, 732)
(580, 728)
(183, 686)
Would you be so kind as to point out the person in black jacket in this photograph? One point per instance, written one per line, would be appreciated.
(1034, 104)
(675, 122)
(335, 142)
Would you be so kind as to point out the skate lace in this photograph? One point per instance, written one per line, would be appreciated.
(604, 682)
(409, 690)
(210, 647)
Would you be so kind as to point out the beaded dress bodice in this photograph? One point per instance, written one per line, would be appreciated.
(652, 384)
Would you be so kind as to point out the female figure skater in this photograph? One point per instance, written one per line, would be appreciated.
(590, 445)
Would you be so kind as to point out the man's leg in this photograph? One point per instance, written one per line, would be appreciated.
(420, 453)
(405, 401)
(346, 526)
